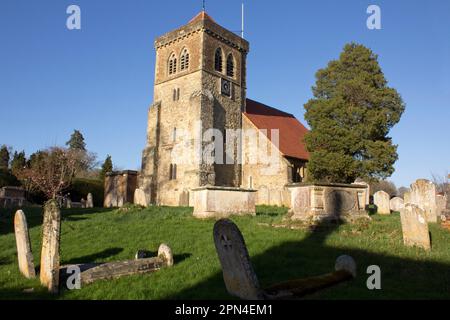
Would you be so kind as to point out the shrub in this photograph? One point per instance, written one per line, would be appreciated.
(81, 187)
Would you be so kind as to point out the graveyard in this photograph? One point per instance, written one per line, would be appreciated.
(279, 249)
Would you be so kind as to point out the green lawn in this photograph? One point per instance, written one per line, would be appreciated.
(278, 254)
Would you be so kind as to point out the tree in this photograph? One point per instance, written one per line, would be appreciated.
(4, 157)
(350, 117)
(76, 141)
(107, 166)
(18, 162)
(401, 191)
(51, 171)
(384, 185)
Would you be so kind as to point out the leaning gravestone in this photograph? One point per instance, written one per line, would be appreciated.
(381, 200)
(50, 247)
(415, 227)
(396, 204)
(423, 195)
(24, 253)
(89, 201)
(238, 274)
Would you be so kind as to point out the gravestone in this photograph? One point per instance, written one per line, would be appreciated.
(83, 203)
(51, 230)
(415, 227)
(24, 253)
(423, 195)
(68, 203)
(396, 204)
(89, 201)
(407, 198)
(238, 274)
(441, 204)
(381, 200)
(140, 198)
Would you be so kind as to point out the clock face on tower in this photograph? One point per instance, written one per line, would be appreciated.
(225, 87)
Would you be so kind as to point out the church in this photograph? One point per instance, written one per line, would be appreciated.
(200, 100)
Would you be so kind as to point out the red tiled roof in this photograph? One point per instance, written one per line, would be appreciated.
(201, 16)
(291, 131)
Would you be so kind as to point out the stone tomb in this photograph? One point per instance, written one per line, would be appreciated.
(382, 200)
(323, 201)
(241, 280)
(51, 230)
(396, 204)
(221, 202)
(24, 253)
(415, 227)
(423, 195)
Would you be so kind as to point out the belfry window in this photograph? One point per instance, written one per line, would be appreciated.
(218, 63)
(230, 66)
(184, 60)
(172, 64)
(173, 172)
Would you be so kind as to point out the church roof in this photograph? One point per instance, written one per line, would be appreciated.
(202, 16)
(291, 131)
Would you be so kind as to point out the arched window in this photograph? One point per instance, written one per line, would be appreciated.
(172, 64)
(218, 64)
(184, 60)
(230, 66)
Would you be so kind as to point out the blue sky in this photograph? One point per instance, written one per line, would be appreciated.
(99, 79)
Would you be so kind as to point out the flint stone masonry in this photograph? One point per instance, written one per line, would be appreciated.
(24, 253)
(238, 274)
(49, 274)
(381, 200)
(396, 204)
(423, 195)
(220, 202)
(325, 201)
(415, 227)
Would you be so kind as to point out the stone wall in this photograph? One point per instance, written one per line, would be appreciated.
(119, 188)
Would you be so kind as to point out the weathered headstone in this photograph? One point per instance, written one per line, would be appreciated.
(396, 204)
(51, 230)
(140, 198)
(407, 198)
(441, 204)
(238, 274)
(423, 195)
(68, 203)
(24, 253)
(89, 201)
(415, 227)
(165, 253)
(381, 200)
(83, 203)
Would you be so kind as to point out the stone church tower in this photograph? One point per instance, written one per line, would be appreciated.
(200, 84)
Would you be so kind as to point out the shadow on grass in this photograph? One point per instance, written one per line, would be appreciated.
(34, 216)
(401, 278)
(95, 257)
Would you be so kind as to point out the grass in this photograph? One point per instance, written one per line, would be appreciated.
(278, 254)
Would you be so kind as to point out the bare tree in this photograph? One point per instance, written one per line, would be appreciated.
(384, 185)
(51, 171)
(442, 183)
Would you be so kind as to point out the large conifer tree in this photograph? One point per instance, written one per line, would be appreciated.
(350, 116)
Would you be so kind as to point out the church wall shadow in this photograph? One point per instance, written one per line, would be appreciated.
(400, 278)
